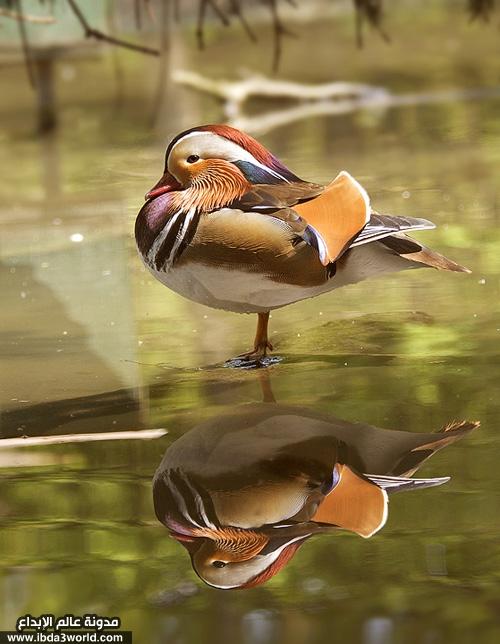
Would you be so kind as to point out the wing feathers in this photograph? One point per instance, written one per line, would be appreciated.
(354, 504)
(381, 226)
(337, 215)
(270, 197)
(399, 483)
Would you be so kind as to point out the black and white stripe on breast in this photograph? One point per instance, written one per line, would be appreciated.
(193, 501)
(173, 239)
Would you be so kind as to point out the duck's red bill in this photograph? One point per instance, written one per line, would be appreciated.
(178, 530)
(181, 537)
(167, 183)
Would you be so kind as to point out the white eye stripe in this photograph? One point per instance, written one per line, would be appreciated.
(210, 145)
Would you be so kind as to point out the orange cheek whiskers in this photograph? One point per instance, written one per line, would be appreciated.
(233, 544)
(215, 186)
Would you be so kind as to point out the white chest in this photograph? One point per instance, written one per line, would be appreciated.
(232, 290)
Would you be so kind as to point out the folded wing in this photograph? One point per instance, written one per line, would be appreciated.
(381, 226)
(336, 216)
(354, 504)
(267, 198)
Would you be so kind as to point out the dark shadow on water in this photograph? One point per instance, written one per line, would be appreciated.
(255, 363)
(80, 413)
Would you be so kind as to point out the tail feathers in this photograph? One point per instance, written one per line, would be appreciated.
(399, 484)
(450, 433)
(413, 251)
(447, 435)
(460, 426)
(436, 260)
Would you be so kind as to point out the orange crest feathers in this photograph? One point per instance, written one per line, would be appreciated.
(248, 143)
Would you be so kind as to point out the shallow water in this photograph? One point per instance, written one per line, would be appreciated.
(91, 344)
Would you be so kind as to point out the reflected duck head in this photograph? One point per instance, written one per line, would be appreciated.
(232, 558)
(203, 520)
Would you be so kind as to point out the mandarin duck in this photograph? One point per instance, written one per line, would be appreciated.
(229, 226)
(242, 492)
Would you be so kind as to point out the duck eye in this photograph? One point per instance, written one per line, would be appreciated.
(218, 564)
(193, 158)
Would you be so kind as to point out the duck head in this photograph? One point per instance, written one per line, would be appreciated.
(232, 558)
(216, 164)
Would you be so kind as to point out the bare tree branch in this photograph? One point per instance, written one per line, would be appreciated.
(24, 17)
(366, 11)
(165, 47)
(35, 441)
(115, 58)
(311, 100)
(219, 13)
(481, 9)
(202, 7)
(371, 11)
(25, 45)
(138, 13)
(90, 32)
(235, 93)
(236, 9)
(279, 31)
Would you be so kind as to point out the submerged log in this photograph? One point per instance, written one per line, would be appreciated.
(37, 441)
(234, 94)
(312, 100)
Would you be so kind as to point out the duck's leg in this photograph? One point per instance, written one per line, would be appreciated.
(261, 343)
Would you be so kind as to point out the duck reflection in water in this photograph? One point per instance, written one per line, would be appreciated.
(243, 491)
